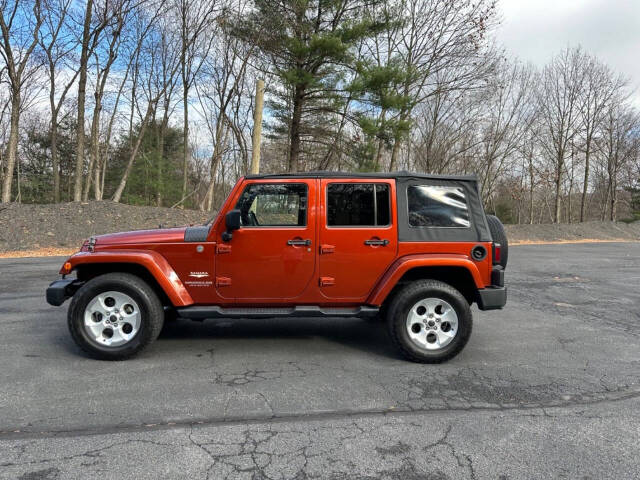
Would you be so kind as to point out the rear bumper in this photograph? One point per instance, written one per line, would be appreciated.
(492, 298)
(60, 290)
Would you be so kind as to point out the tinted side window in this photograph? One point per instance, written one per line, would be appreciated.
(437, 206)
(358, 204)
(273, 205)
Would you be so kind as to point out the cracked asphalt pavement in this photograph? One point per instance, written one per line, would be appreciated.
(546, 388)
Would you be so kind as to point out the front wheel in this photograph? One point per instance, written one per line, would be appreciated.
(114, 316)
(429, 321)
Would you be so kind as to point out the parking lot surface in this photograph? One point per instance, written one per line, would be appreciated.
(547, 387)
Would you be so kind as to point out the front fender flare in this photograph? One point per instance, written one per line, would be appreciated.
(152, 261)
(408, 262)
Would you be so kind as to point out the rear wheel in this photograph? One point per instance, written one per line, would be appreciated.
(114, 316)
(429, 321)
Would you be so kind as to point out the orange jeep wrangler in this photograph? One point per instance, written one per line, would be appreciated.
(414, 250)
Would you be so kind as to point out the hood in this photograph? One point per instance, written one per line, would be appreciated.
(158, 235)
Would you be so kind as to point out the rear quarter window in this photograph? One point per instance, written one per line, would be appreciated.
(437, 206)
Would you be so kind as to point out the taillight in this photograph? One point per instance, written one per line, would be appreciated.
(496, 253)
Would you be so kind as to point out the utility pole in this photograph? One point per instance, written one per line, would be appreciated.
(257, 127)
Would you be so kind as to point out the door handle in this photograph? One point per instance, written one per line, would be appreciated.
(299, 243)
(373, 242)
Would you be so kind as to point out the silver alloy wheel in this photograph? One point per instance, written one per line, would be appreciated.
(112, 319)
(432, 323)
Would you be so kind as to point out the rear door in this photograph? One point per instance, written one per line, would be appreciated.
(271, 258)
(358, 235)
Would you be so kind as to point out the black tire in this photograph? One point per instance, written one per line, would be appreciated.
(499, 236)
(151, 313)
(399, 310)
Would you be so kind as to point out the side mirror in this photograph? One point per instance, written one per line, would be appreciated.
(232, 222)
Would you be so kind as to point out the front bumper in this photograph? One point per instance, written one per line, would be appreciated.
(492, 298)
(60, 290)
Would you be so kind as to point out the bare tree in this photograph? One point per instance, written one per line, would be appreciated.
(114, 35)
(58, 42)
(195, 18)
(618, 146)
(560, 86)
(20, 31)
(224, 77)
(93, 25)
(169, 59)
(102, 74)
(600, 87)
(443, 133)
(5, 111)
(441, 36)
(509, 115)
(87, 47)
(147, 70)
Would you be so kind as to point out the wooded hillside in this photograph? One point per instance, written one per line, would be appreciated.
(150, 102)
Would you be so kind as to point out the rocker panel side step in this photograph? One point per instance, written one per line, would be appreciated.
(202, 312)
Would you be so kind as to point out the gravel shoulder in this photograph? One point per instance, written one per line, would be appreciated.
(573, 232)
(61, 227)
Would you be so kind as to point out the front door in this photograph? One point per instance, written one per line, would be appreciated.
(272, 256)
(358, 236)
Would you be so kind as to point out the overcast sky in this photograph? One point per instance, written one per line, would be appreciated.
(534, 30)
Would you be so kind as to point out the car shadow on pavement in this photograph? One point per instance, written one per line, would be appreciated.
(353, 333)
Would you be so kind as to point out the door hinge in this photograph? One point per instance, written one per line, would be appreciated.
(327, 281)
(326, 248)
(223, 248)
(223, 281)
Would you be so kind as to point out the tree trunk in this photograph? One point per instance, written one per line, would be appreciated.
(568, 217)
(134, 153)
(82, 93)
(558, 184)
(296, 119)
(605, 203)
(257, 127)
(531, 175)
(93, 155)
(55, 162)
(531, 204)
(12, 147)
(103, 171)
(614, 195)
(160, 149)
(394, 154)
(97, 176)
(185, 141)
(161, 134)
(207, 201)
(376, 163)
(97, 194)
(107, 142)
(583, 201)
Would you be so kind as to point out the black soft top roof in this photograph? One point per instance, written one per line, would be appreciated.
(402, 175)
(478, 231)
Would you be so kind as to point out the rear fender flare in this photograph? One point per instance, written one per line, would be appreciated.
(153, 262)
(402, 265)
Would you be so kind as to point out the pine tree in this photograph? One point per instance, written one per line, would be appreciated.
(308, 45)
(377, 90)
